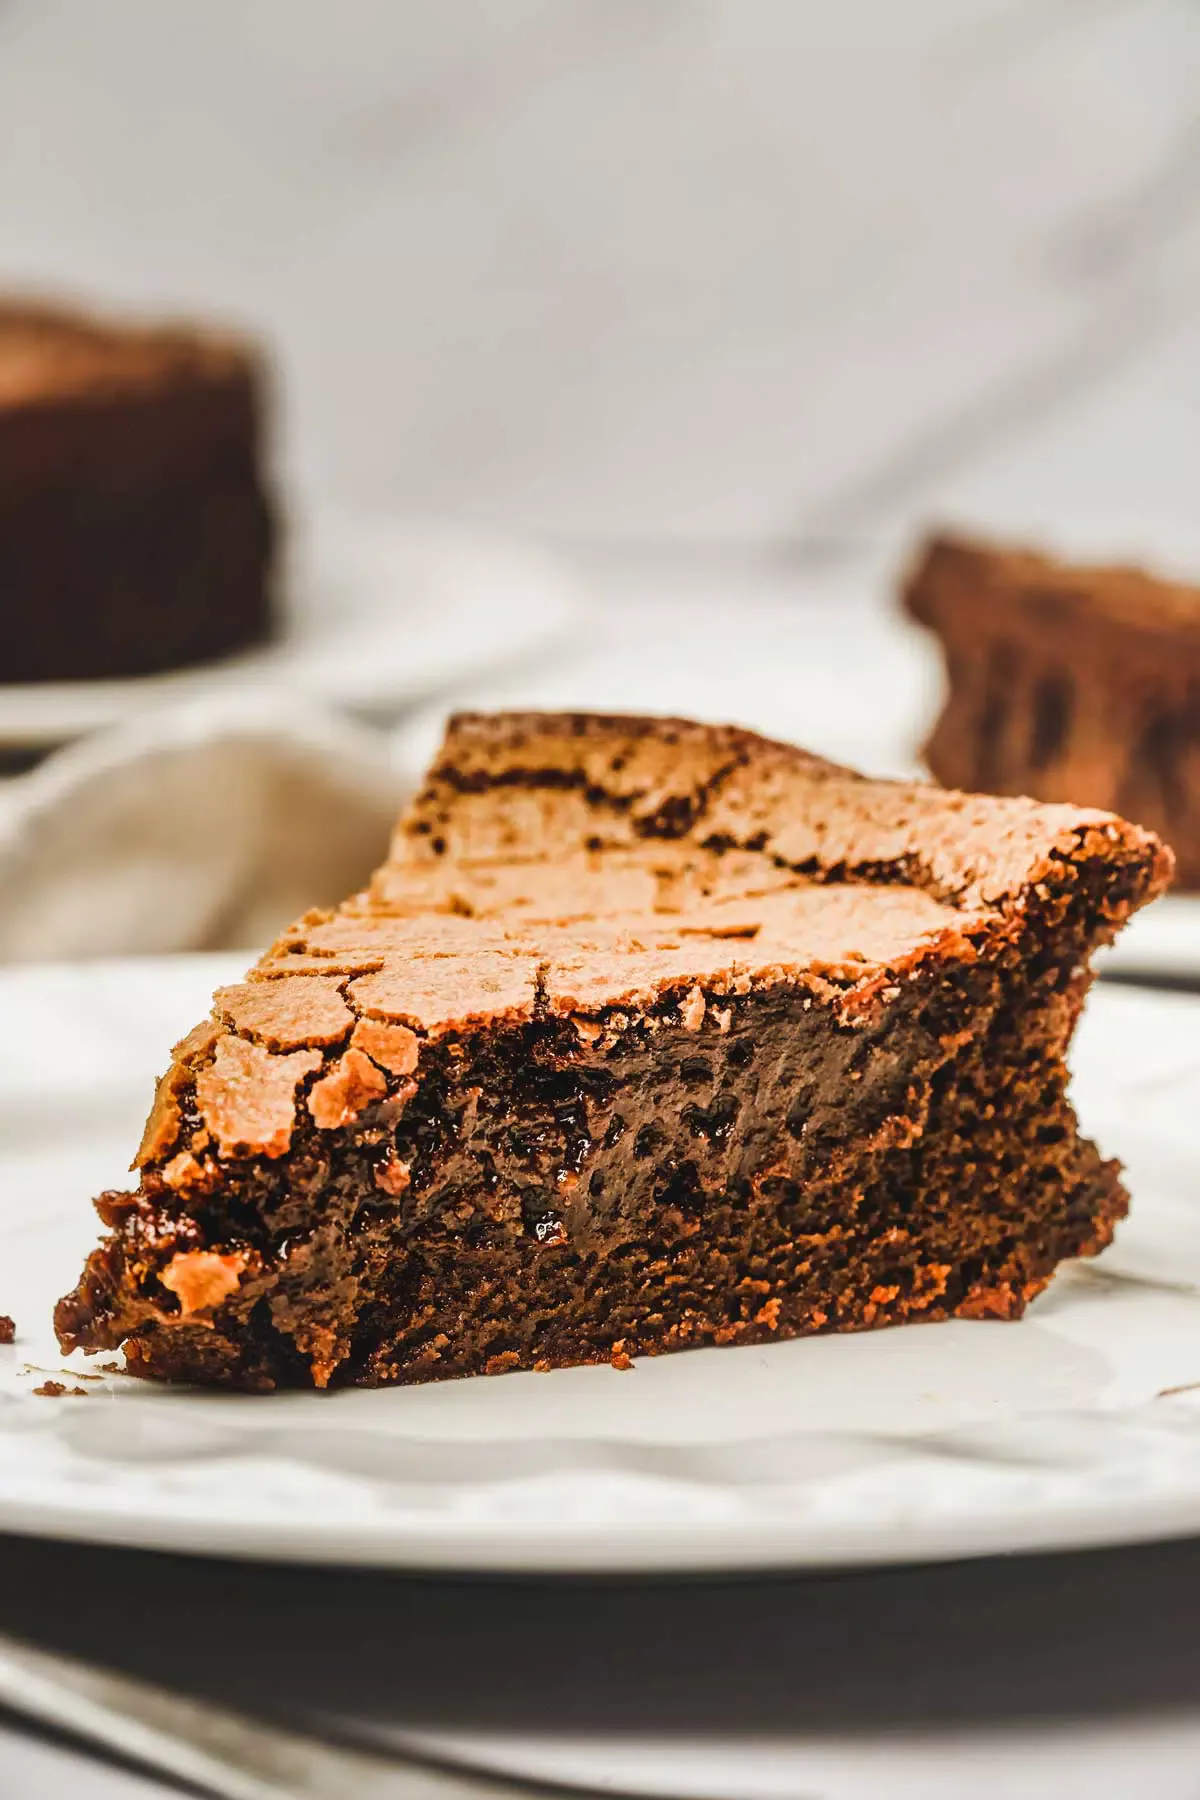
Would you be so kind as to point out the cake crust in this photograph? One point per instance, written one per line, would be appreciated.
(646, 1034)
(51, 356)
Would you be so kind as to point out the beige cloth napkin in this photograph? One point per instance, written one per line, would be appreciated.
(207, 826)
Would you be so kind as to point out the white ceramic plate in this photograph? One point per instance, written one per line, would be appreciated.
(927, 1441)
(379, 613)
(1160, 944)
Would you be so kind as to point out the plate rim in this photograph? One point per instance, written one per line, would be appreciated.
(659, 1549)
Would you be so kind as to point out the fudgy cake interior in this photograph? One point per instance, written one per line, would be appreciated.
(136, 531)
(647, 1035)
(1066, 682)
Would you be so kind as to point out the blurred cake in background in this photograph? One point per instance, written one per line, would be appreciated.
(136, 530)
(1066, 682)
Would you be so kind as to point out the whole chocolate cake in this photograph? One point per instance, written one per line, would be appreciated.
(136, 533)
(1066, 682)
(647, 1035)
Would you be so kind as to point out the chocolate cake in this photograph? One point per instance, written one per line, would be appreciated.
(136, 534)
(647, 1035)
(1067, 683)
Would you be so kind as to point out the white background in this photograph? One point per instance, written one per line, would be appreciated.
(716, 272)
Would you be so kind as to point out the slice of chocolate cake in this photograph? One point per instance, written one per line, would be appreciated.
(136, 534)
(647, 1035)
(1066, 682)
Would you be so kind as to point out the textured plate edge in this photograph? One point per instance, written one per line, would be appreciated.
(666, 1550)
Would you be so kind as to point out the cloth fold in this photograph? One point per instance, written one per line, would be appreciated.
(204, 827)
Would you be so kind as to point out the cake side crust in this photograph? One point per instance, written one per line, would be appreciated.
(720, 1168)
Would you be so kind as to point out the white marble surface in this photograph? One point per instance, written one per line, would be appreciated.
(701, 270)
(705, 275)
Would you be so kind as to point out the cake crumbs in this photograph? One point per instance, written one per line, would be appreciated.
(54, 1390)
(8, 1329)
(619, 1356)
(66, 1374)
(693, 1010)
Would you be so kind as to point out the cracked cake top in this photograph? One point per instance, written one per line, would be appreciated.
(580, 865)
